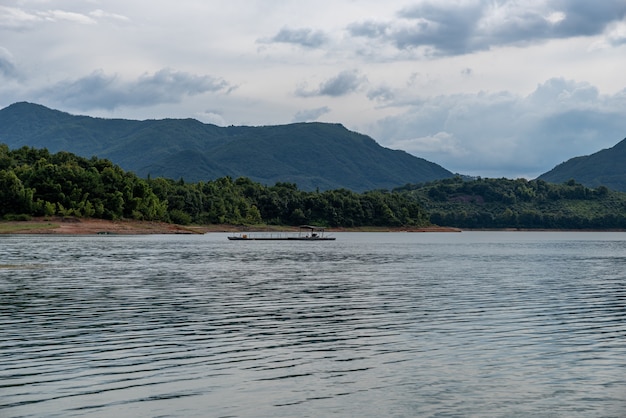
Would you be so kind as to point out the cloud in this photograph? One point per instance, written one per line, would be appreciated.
(492, 134)
(447, 27)
(345, 82)
(616, 34)
(212, 116)
(564, 94)
(585, 18)
(64, 16)
(381, 93)
(455, 28)
(304, 37)
(101, 91)
(7, 67)
(20, 19)
(14, 18)
(310, 115)
(101, 14)
(436, 143)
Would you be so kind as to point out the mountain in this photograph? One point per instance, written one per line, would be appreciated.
(312, 155)
(604, 168)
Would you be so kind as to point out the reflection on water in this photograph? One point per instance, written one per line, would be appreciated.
(470, 324)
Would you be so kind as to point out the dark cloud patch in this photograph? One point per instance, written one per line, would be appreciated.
(171, 85)
(451, 28)
(309, 115)
(585, 18)
(101, 91)
(447, 27)
(345, 82)
(381, 94)
(369, 29)
(304, 37)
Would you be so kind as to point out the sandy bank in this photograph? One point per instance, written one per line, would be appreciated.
(82, 226)
(76, 226)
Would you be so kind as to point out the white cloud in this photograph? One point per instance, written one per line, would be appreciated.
(101, 14)
(64, 16)
(214, 117)
(556, 17)
(15, 18)
(616, 33)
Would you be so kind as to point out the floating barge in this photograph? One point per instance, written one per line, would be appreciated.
(305, 233)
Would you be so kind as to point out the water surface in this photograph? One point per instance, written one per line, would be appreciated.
(495, 324)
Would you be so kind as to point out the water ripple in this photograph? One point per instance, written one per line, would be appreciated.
(471, 324)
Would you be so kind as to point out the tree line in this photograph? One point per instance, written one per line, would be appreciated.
(35, 182)
(520, 203)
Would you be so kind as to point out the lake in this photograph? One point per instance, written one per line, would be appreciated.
(472, 324)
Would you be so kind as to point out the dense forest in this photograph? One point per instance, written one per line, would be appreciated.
(34, 182)
(505, 203)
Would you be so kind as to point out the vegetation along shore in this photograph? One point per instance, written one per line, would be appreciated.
(65, 193)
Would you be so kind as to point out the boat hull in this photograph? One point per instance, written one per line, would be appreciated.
(280, 239)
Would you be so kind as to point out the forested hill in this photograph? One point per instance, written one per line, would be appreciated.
(312, 155)
(34, 182)
(604, 168)
(504, 203)
(37, 183)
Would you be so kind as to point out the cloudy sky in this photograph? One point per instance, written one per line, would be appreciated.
(493, 88)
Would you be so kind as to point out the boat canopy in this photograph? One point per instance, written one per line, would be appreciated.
(312, 228)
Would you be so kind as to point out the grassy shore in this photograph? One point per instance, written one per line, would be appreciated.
(84, 226)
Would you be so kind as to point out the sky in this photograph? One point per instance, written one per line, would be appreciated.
(491, 88)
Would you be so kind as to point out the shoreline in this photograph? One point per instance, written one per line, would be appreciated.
(90, 226)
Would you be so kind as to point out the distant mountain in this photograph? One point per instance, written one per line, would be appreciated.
(312, 155)
(604, 168)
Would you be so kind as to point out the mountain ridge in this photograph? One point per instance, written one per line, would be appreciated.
(312, 155)
(606, 167)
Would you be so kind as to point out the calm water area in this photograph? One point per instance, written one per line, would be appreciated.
(471, 324)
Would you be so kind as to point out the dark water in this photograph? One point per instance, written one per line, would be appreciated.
(484, 324)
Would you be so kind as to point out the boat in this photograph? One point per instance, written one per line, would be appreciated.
(305, 233)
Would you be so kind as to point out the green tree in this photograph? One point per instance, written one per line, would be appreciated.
(14, 196)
